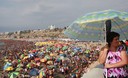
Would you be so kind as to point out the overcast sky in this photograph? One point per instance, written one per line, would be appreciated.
(18, 15)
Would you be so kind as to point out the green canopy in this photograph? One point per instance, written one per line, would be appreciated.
(14, 74)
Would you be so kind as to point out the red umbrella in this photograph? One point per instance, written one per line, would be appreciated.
(59, 45)
(37, 59)
(34, 51)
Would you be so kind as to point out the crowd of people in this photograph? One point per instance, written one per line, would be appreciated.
(58, 60)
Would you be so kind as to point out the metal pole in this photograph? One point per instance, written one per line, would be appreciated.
(105, 32)
(105, 42)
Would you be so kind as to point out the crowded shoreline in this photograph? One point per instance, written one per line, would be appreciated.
(54, 59)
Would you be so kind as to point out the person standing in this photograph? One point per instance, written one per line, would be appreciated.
(114, 60)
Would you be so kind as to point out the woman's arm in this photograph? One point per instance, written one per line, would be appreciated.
(103, 55)
(123, 62)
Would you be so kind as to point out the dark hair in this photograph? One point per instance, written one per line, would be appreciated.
(111, 36)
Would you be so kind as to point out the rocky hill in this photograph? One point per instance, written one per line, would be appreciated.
(47, 33)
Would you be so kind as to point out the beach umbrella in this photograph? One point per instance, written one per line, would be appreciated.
(37, 59)
(37, 43)
(30, 55)
(63, 55)
(51, 66)
(6, 60)
(10, 68)
(33, 72)
(50, 62)
(7, 65)
(94, 26)
(60, 45)
(19, 60)
(65, 48)
(28, 65)
(22, 56)
(14, 74)
(47, 57)
(34, 50)
(52, 54)
(42, 74)
(38, 63)
(26, 57)
(19, 69)
(40, 54)
(87, 51)
(58, 59)
(20, 65)
(43, 60)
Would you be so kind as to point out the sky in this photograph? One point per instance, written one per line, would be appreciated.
(18, 15)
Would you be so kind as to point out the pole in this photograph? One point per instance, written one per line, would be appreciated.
(105, 31)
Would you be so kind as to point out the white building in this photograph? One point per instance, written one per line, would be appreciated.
(52, 27)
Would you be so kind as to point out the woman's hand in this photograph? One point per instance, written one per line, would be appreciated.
(105, 50)
(103, 54)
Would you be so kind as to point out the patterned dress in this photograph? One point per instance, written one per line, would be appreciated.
(120, 72)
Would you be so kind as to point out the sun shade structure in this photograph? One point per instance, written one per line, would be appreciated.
(92, 26)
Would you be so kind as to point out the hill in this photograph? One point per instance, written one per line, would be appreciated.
(30, 34)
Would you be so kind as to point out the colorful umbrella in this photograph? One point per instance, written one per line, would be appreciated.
(7, 65)
(42, 74)
(94, 26)
(47, 57)
(14, 74)
(58, 59)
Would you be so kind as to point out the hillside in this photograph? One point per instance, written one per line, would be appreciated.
(30, 34)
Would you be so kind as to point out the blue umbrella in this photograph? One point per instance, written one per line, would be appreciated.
(33, 72)
(31, 55)
(76, 49)
(7, 65)
(64, 55)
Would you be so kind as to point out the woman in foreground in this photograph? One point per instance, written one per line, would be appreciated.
(114, 60)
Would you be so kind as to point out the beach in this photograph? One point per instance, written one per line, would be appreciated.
(63, 59)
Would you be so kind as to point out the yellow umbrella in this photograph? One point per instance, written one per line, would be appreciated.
(42, 74)
(49, 62)
(51, 54)
(25, 57)
(6, 60)
(37, 43)
(43, 60)
(9, 68)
